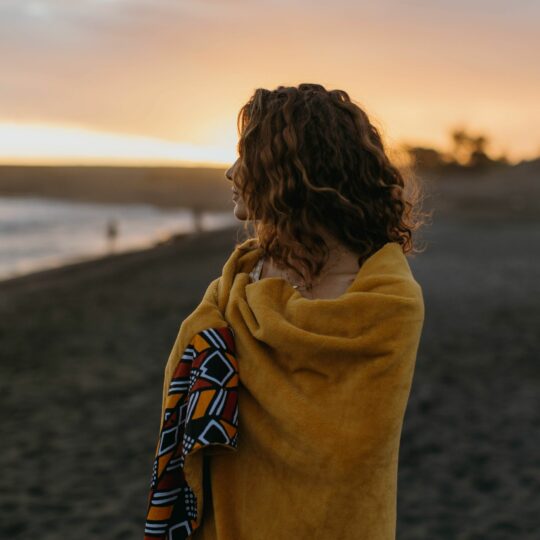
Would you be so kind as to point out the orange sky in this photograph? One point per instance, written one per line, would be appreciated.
(162, 80)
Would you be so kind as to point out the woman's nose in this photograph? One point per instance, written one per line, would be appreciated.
(230, 171)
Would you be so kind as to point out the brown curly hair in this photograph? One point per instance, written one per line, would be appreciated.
(311, 158)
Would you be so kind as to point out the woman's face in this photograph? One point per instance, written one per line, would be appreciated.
(239, 207)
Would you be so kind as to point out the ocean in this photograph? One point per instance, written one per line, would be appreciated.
(38, 233)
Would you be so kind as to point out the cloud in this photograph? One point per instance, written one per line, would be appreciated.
(164, 68)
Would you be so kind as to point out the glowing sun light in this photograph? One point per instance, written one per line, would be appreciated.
(34, 143)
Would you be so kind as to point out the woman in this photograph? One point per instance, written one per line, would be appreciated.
(285, 390)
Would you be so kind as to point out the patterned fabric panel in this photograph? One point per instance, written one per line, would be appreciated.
(201, 409)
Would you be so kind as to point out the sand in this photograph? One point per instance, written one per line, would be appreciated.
(83, 350)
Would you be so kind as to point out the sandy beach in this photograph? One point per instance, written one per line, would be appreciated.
(83, 350)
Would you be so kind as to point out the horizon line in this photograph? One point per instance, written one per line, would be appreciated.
(63, 145)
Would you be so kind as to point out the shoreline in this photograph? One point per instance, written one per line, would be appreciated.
(107, 263)
(75, 261)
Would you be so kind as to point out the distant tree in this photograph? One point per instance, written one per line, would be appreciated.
(470, 150)
(461, 145)
(479, 143)
(502, 160)
(425, 157)
(468, 154)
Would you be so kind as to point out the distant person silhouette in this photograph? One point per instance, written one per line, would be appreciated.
(112, 234)
(197, 220)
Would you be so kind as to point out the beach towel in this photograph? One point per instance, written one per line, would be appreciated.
(292, 407)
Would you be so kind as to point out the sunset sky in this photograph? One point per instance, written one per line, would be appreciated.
(162, 81)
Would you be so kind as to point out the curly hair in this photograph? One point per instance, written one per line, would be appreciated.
(311, 158)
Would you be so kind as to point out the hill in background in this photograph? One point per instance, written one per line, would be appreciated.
(501, 192)
(197, 188)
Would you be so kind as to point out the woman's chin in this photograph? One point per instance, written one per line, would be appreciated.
(239, 213)
(241, 217)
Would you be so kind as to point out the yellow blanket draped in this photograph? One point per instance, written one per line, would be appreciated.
(323, 388)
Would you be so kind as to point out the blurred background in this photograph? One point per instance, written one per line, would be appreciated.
(117, 123)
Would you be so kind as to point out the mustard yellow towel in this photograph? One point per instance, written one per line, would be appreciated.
(297, 404)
